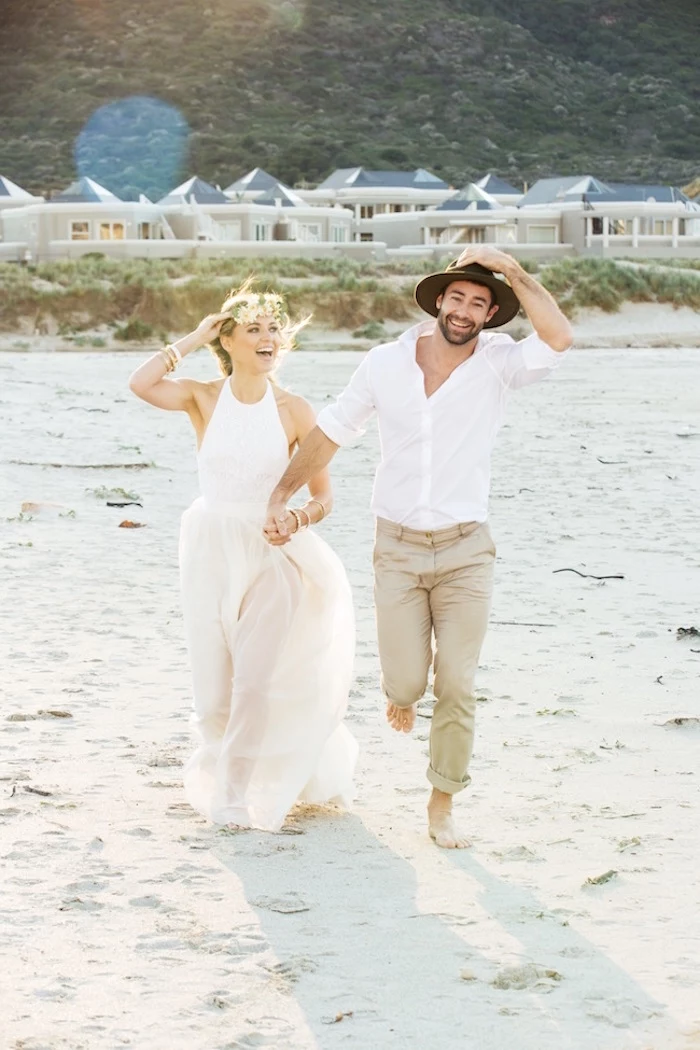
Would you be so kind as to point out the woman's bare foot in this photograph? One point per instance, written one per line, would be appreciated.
(441, 825)
(402, 719)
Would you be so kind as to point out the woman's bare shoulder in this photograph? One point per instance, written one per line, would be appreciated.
(204, 387)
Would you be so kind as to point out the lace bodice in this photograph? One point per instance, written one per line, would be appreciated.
(244, 452)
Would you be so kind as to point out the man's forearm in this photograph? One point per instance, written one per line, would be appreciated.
(314, 453)
(546, 317)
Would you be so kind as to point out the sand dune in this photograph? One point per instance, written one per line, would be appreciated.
(127, 921)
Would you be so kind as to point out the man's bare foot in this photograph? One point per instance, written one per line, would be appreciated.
(441, 824)
(402, 719)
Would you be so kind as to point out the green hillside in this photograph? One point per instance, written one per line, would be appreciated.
(521, 87)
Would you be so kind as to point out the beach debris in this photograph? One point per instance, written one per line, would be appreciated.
(164, 759)
(84, 408)
(530, 975)
(625, 844)
(291, 829)
(617, 746)
(611, 462)
(683, 720)
(32, 507)
(557, 711)
(106, 492)
(687, 632)
(123, 503)
(338, 1017)
(21, 717)
(590, 576)
(290, 971)
(600, 880)
(467, 975)
(38, 791)
(126, 524)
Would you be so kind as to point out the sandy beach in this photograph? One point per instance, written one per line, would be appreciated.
(574, 921)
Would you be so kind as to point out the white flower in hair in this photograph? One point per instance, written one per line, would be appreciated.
(255, 306)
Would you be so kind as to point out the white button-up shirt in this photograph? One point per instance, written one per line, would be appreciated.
(435, 451)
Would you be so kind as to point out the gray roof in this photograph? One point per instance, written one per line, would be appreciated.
(12, 190)
(625, 191)
(282, 194)
(586, 187)
(471, 198)
(495, 185)
(256, 181)
(84, 191)
(197, 191)
(344, 178)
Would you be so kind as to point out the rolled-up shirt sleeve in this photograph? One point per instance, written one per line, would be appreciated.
(525, 362)
(344, 421)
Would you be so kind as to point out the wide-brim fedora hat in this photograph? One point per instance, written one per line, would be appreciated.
(431, 287)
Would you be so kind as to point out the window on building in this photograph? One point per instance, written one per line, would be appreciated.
(470, 235)
(507, 234)
(145, 232)
(366, 211)
(380, 209)
(597, 227)
(309, 232)
(662, 227)
(542, 235)
(366, 236)
(339, 234)
(262, 231)
(227, 231)
(394, 209)
(111, 231)
(80, 231)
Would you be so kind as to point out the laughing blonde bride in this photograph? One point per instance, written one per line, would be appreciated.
(269, 629)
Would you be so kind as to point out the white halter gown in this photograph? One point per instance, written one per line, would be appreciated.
(270, 633)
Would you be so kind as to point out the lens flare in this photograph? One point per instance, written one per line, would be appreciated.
(134, 146)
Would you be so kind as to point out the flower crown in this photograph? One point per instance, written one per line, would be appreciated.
(247, 310)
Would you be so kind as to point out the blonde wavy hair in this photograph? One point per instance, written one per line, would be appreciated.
(245, 305)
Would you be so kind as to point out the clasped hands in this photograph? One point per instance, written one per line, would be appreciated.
(280, 524)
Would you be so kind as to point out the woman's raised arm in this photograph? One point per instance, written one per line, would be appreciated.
(151, 380)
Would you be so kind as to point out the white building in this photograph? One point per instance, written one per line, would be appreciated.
(573, 216)
(84, 218)
(370, 194)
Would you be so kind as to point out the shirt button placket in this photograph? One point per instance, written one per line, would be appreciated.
(426, 459)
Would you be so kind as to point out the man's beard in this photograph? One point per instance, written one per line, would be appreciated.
(458, 337)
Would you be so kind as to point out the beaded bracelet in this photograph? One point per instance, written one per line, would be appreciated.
(167, 360)
(323, 509)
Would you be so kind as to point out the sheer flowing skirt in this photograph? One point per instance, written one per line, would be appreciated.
(270, 633)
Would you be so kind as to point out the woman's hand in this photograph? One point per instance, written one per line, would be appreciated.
(207, 329)
(280, 525)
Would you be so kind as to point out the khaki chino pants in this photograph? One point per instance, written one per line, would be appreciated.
(435, 585)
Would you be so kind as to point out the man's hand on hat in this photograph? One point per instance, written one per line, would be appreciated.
(492, 258)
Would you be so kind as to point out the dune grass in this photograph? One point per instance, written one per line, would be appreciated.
(143, 299)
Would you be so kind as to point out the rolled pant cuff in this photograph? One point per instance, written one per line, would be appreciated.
(450, 787)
